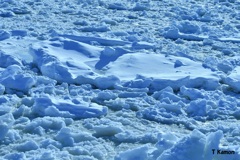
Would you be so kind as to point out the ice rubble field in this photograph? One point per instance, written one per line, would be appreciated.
(123, 80)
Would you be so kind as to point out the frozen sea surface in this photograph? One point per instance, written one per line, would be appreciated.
(121, 80)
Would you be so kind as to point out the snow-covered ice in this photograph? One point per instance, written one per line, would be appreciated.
(122, 80)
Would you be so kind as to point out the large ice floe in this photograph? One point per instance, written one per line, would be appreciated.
(122, 80)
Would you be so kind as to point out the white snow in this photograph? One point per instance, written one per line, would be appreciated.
(123, 80)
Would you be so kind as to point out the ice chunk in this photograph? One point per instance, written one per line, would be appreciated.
(82, 136)
(21, 33)
(188, 27)
(82, 110)
(106, 95)
(5, 108)
(4, 35)
(12, 69)
(18, 82)
(106, 130)
(131, 94)
(8, 119)
(102, 41)
(106, 82)
(46, 123)
(109, 21)
(12, 156)
(178, 64)
(140, 153)
(52, 111)
(191, 147)
(166, 92)
(81, 22)
(12, 136)
(233, 80)
(21, 10)
(27, 146)
(135, 137)
(229, 39)
(163, 72)
(173, 33)
(52, 59)
(191, 93)
(196, 146)
(165, 141)
(197, 108)
(140, 7)
(212, 142)
(13, 77)
(4, 130)
(139, 82)
(5, 13)
(225, 66)
(108, 55)
(47, 156)
(102, 28)
(171, 108)
(50, 142)
(55, 64)
(43, 80)
(117, 6)
(7, 60)
(211, 62)
(86, 49)
(142, 45)
(64, 136)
